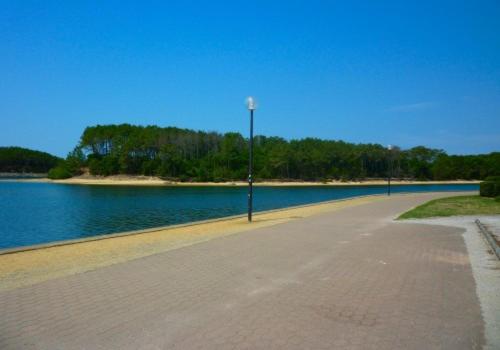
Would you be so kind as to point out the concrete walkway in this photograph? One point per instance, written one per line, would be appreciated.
(350, 279)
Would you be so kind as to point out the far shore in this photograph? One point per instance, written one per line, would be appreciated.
(127, 180)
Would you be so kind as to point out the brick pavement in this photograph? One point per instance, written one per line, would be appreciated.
(350, 279)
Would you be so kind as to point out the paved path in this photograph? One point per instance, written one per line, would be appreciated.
(485, 268)
(349, 279)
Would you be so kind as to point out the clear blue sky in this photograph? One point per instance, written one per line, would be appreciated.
(426, 73)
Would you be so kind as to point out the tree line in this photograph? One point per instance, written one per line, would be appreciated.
(23, 160)
(189, 155)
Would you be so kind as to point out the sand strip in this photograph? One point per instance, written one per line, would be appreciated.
(125, 180)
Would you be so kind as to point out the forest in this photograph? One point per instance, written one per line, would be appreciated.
(188, 155)
(23, 160)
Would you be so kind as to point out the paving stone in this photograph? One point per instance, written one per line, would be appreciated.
(350, 279)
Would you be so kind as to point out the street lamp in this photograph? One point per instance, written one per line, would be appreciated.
(251, 105)
(389, 148)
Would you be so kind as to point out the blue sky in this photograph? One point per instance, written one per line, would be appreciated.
(420, 73)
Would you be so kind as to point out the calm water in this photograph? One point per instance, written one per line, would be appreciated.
(32, 213)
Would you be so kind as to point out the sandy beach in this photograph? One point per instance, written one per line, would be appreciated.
(127, 180)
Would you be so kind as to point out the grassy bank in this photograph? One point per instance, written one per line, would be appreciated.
(462, 205)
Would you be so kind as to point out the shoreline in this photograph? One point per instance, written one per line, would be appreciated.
(31, 265)
(99, 237)
(125, 180)
(35, 264)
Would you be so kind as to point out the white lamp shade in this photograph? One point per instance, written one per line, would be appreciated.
(251, 103)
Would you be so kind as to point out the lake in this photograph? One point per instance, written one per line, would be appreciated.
(33, 213)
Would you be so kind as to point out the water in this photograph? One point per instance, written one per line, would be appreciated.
(33, 213)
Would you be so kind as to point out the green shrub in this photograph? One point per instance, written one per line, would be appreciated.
(59, 172)
(493, 178)
(490, 187)
(184, 178)
(105, 166)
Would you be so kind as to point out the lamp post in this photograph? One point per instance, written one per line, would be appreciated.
(251, 105)
(389, 148)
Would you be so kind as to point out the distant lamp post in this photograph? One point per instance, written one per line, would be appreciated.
(252, 106)
(389, 148)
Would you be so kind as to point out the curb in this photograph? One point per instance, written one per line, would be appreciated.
(489, 237)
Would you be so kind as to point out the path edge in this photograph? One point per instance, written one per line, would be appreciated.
(489, 237)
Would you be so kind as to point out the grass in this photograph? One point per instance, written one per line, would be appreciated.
(450, 206)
